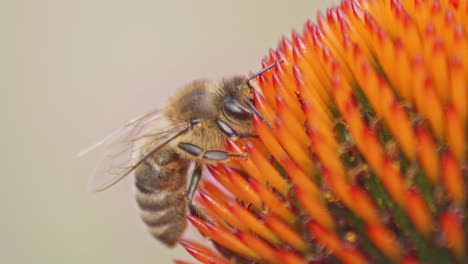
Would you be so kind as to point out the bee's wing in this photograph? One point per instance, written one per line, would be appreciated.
(144, 133)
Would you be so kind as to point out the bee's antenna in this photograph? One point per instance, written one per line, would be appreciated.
(252, 106)
(249, 103)
(260, 73)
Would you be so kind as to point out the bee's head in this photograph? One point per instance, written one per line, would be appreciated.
(238, 104)
(236, 101)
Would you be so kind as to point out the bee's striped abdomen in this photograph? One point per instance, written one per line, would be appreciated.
(161, 184)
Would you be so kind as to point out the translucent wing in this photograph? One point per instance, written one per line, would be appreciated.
(145, 134)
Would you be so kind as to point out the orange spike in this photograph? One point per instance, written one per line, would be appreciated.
(247, 164)
(328, 156)
(268, 139)
(236, 185)
(452, 230)
(315, 208)
(327, 135)
(454, 181)
(272, 202)
(273, 177)
(418, 211)
(350, 255)
(213, 189)
(264, 250)
(372, 85)
(199, 224)
(362, 205)
(384, 239)
(265, 85)
(393, 181)
(202, 253)
(418, 82)
(313, 56)
(458, 87)
(254, 224)
(310, 77)
(354, 120)
(455, 132)
(285, 232)
(286, 256)
(410, 39)
(294, 124)
(221, 210)
(283, 75)
(402, 67)
(295, 150)
(402, 129)
(371, 149)
(439, 73)
(242, 187)
(228, 240)
(432, 109)
(325, 237)
(299, 178)
(338, 185)
(285, 46)
(342, 93)
(308, 93)
(461, 45)
(427, 154)
(331, 39)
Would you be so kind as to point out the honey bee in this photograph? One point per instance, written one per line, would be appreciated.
(159, 147)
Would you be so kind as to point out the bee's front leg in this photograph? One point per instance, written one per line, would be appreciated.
(196, 176)
(230, 132)
(192, 187)
(212, 155)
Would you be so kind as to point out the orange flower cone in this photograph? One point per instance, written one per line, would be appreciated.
(365, 161)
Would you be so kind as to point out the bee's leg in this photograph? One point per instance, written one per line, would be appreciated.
(198, 152)
(196, 176)
(230, 132)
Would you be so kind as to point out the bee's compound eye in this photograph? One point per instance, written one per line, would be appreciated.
(233, 108)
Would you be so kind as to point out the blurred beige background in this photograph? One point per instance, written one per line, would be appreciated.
(70, 72)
